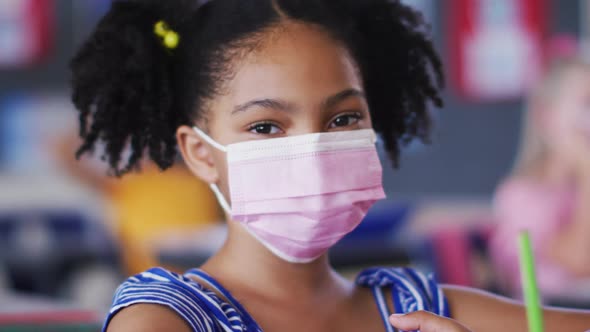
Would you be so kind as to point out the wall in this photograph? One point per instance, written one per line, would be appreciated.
(472, 149)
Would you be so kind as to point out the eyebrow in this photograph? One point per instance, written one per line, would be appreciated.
(281, 105)
(340, 96)
(264, 103)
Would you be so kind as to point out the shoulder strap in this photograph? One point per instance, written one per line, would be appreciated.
(213, 286)
(383, 308)
(411, 290)
(210, 287)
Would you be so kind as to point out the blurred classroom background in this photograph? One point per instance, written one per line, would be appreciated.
(69, 235)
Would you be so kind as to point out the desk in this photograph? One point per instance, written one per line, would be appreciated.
(20, 313)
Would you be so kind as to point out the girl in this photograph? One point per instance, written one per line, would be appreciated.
(550, 187)
(274, 103)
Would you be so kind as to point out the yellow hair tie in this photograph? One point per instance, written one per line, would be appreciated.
(170, 38)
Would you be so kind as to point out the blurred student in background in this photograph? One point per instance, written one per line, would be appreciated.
(147, 205)
(548, 192)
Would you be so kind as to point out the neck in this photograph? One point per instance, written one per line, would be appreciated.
(245, 263)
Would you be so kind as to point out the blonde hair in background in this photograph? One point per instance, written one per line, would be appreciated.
(532, 150)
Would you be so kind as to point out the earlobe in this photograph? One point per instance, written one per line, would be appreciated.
(197, 154)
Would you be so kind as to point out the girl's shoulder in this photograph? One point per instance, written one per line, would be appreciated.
(411, 290)
(519, 185)
(201, 308)
(529, 186)
(525, 193)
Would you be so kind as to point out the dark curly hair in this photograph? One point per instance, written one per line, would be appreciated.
(132, 91)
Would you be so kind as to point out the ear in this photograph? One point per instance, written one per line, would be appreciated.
(197, 154)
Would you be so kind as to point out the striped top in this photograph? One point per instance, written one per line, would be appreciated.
(199, 304)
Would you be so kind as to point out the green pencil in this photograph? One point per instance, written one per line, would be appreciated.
(529, 283)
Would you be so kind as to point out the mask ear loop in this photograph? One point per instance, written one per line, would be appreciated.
(209, 140)
(220, 198)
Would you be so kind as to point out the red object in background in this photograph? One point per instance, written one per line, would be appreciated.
(49, 317)
(496, 46)
(26, 31)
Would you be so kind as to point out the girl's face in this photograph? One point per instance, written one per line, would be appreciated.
(567, 123)
(299, 81)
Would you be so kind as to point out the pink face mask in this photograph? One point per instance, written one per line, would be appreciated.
(299, 195)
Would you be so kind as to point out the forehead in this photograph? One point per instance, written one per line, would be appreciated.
(295, 59)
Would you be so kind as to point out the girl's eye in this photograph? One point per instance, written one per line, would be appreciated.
(345, 120)
(264, 129)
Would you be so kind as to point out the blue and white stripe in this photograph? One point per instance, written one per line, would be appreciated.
(206, 311)
(411, 291)
(199, 307)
